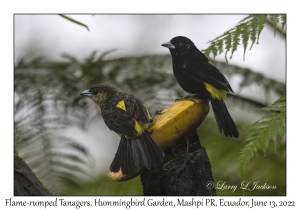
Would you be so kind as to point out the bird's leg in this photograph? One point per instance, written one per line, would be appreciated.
(187, 146)
(158, 111)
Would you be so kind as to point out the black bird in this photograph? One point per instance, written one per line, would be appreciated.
(196, 75)
(127, 116)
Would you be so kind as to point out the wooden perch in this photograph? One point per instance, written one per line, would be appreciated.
(25, 181)
(185, 170)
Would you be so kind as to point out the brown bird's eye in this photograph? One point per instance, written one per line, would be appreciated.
(94, 92)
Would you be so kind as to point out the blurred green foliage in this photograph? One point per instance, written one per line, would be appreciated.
(104, 186)
(224, 154)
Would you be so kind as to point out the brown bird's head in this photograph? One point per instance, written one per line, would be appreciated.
(179, 45)
(99, 93)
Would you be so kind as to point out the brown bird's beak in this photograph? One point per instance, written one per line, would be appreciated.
(86, 93)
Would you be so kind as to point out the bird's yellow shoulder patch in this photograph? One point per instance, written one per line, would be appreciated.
(121, 105)
(139, 128)
(148, 113)
(216, 93)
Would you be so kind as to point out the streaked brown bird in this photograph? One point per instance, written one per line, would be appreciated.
(127, 116)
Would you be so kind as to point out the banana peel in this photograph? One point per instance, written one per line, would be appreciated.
(168, 127)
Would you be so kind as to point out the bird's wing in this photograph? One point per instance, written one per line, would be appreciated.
(121, 122)
(127, 110)
(210, 74)
(137, 110)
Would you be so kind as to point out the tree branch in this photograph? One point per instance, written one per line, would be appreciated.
(25, 181)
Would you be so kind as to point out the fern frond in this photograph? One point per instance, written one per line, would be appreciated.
(271, 127)
(247, 29)
(275, 21)
(47, 155)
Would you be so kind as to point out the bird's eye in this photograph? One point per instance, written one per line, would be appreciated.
(180, 44)
(94, 92)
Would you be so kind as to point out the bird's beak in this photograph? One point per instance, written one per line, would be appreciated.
(86, 93)
(168, 45)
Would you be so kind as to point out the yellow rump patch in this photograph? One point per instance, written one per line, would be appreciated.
(216, 93)
(121, 105)
(139, 128)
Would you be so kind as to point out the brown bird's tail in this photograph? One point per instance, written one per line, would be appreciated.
(135, 154)
(224, 119)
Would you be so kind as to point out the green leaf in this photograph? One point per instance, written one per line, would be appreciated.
(235, 40)
(219, 46)
(214, 49)
(283, 22)
(260, 23)
(245, 37)
(74, 21)
(253, 30)
(227, 45)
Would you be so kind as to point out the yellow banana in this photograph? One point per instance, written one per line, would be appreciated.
(176, 120)
(168, 128)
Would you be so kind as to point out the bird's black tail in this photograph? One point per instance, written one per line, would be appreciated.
(224, 119)
(135, 154)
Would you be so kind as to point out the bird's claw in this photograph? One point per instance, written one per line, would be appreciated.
(158, 111)
(187, 97)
